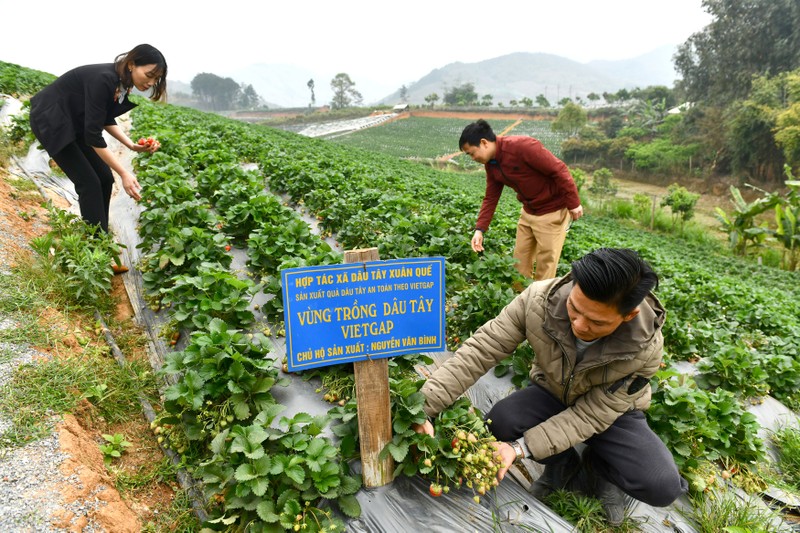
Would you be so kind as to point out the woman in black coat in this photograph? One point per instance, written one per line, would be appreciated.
(69, 115)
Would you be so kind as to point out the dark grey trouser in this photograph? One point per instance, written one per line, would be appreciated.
(628, 453)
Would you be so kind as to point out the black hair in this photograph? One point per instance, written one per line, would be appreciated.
(143, 54)
(473, 133)
(616, 277)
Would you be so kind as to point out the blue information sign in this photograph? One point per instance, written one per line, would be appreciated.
(351, 312)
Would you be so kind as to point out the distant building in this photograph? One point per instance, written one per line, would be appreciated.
(399, 108)
(680, 108)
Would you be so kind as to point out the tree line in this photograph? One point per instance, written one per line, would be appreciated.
(215, 93)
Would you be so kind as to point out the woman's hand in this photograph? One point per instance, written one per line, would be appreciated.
(139, 148)
(146, 144)
(131, 185)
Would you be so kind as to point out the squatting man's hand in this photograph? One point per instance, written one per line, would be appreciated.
(503, 450)
(507, 454)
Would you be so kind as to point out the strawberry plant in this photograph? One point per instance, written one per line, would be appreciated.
(268, 248)
(164, 186)
(261, 211)
(207, 158)
(237, 186)
(155, 223)
(182, 253)
(273, 476)
(17, 80)
(484, 297)
(224, 375)
(739, 368)
(273, 307)
(700, 425)
(519, 364)
(211, 293)
(210, 177)
(461, 453)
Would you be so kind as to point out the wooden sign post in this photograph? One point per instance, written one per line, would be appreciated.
(374, 412)
(362, 312)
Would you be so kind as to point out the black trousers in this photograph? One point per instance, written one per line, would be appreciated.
(92, 178)
(628, 453)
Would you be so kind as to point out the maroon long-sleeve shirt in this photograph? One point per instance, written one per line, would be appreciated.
(541, 180)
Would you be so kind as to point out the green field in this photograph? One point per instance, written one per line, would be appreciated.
(427, 138)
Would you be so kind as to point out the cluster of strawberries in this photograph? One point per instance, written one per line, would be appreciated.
(150, 142)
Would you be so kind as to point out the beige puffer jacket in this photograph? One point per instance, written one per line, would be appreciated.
(595, 391)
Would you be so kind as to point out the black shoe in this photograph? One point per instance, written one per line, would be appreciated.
(613, 500)
(556, 475)
(611, 496)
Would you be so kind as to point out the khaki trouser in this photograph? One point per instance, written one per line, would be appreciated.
(540, 239)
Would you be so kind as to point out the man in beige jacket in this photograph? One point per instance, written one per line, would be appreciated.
(596, 333)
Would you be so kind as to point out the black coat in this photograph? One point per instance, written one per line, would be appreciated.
(77, 106)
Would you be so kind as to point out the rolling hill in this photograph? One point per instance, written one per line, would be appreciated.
(507, 77)
(518, 75)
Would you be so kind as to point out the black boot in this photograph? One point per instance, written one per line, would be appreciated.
(611, 496)
(557, 474)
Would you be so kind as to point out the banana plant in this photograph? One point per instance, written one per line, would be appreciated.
(787, 213)
(741, 225)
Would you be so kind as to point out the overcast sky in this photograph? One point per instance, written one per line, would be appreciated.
(391, 43)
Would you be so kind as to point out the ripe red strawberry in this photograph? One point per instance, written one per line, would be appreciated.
(435, 489)
(227, 247)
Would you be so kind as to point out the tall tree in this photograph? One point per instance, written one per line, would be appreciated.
(570, 119)
(249, 98)
(745, 38)
(310, 86)
(541, 101)
(787, 131)
(751, 127)
(404, 94)
(432, 98)
(214, 92)
(464, 94)
(344, 92)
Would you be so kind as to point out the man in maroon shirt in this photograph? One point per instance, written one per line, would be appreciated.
(544, 186)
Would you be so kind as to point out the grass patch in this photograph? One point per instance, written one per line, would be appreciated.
(724, 511)
(21, 298)
(144, 476)
(586, 513)
(23, 185)
(787, 441)
(178, 517)
(54, 386)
